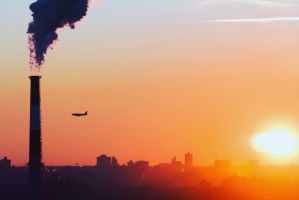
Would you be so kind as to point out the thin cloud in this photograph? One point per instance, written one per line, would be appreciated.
(258, 20)
(263, 3)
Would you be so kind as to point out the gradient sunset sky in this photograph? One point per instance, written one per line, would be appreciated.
(158, 77)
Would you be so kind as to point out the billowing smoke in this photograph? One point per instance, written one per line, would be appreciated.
(48, 16)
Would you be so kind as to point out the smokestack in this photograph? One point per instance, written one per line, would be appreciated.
(35, 146)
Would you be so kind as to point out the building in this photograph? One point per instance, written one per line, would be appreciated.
(130, 163)
(222, 164)
(104, 161)
(188, 159)
(114, 162)
(142, 164)
(5, 164)
(175, 163)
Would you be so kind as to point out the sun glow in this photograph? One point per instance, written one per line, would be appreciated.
(279, 143)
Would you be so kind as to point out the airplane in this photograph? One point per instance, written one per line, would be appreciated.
(79, 114)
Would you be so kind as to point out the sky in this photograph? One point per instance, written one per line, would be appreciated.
(158, 77)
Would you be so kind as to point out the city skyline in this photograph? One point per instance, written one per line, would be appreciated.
(105, 160)
(158, 79)
(166, 181)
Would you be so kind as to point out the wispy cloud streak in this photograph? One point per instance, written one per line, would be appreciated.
(257, 20)
(264, 3)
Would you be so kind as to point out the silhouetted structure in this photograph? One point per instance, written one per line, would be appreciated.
(188, 159)
(222, 164)
(138, 181)
(35, 148)
(106, 161)
(142, 164)
(130, 163)
(114, 162)
(103, 161)
(175, 163)
(5, 164)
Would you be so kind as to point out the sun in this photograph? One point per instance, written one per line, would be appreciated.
(280, 143)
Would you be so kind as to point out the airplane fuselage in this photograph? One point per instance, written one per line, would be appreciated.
(79, 114)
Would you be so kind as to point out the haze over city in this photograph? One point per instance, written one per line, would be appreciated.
(158, 78)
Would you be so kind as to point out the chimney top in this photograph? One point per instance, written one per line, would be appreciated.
(35, 77)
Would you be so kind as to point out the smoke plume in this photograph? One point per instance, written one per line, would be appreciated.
(48, 16)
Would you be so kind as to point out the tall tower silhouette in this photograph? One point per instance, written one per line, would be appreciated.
(35, 146)
(188, 159)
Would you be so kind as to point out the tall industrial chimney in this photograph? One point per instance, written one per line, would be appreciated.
(35, 146)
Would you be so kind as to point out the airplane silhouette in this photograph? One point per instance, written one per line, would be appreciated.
(79, 114)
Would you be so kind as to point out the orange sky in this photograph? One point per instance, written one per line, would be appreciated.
(153, 88)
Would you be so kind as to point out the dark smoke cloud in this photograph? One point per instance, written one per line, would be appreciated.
(48, 16)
